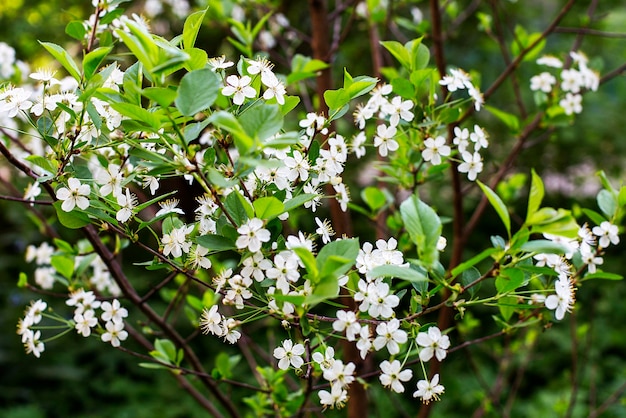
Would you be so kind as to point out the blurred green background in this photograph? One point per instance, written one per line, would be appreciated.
(76, 377)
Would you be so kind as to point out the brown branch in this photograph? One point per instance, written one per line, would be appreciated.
(499, 37)
(589, 32)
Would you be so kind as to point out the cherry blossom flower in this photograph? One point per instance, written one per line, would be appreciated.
(384, 139)
(543, 82)
(563, 300)
(392, 375)
(364, 343)
(169, 206)
(550, 61)
(289, 354)
(14, 99)
(390, 335)
(34, 345)
(239, 88)
(572, 103)
(238, 291)
(127, 201)
(399, 109)
(357, 145)
(255, 266)
(571, 80)
(176, 242)
(84, 322)
(346, 320)
(211, 321)
(275, 88)
(429, 390)
(114, 333)
(479, 138)
(607, 234)
(457, 80)
(75, 194)
(220, 63)
(435, 149)
(324, 230)
(337, 397)
(325, 360)
(433, 343)
(340, 374)
(472, 165)
(231, 335)
(298, 166)
(252, 235)
(113, 311)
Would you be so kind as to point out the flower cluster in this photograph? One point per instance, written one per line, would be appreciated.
(573, 81)
(113, 314)
(585, 248)
(84, 320)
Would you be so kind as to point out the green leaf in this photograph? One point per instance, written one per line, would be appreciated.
(93, 59)
(403, 87)
(262, 122)
(191, 28)
(43, 163)
(326, 288)
(399, 52)
(469, 276)
(138, 113)
(309, 262)
(595, 217)
(163, 96)
(556, 222)
(509, 280)
(215, 243)
(424, 228)
(337, 257)
(420, 54)
(603, 275)
(607, 203)
(228, 122)
(498, 205)
(268, 208)
(73, 220)
(299, 200)
(22, 280)
(76, 29)
(510, 120)
(361, 85)
(404, 273)
(336, 99)
(507, 305)
(166, 348)
(238, 207)
(197, 91)
(545, 246)
(374, 198)
(536, 195)
(473, 261)
(63, 265)
(223, 365)
(64, 58)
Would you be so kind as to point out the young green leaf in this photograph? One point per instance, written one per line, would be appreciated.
(498, 205)
(197, 91)
(64, 58)
(191, 28)
(424, 228)
(535, 196)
